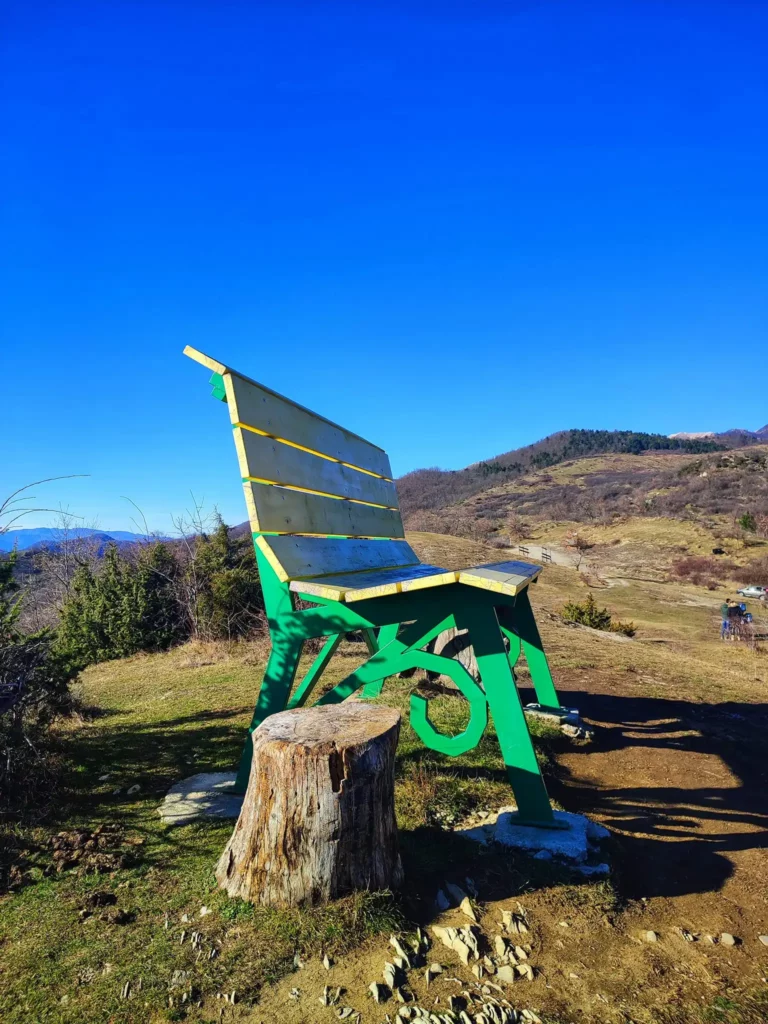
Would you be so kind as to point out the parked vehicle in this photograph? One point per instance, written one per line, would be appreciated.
(754, 590)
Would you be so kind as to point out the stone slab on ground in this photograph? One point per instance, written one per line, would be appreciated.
(576, 842)
(207, 795)
(567, 720)
(553, 715)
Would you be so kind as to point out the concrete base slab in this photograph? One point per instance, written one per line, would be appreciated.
(575, 840)
(567, 720)
(207, 795)
(553, 715)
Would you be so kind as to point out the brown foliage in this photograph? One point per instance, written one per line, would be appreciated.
(755, 571)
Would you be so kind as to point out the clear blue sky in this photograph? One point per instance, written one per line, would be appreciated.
(453, 227)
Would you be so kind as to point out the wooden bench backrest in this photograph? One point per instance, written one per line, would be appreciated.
(320, 499)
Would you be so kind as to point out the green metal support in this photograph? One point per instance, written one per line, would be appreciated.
(397, 627)
(521, 630)
(393, 648)
(508, 716)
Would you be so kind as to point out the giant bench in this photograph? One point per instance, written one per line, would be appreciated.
(327, 528)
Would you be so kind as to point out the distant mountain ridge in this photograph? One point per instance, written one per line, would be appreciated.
(726, 435)
(44, 536)
(435, 488)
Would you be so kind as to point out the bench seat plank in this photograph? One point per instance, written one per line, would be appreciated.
(359, 586)
(273, 509)
(267, 459)
(298, 557)
(501, 577)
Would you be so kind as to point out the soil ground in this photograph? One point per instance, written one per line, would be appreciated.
(677, 772)
(682, 788)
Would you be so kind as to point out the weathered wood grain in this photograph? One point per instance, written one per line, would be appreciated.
(274, 509)
(267, 459)
(256, 406)
(359, 586)
(296, 557)
(318, 818)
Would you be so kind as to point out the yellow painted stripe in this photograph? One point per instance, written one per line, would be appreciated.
(327, 536)
(324, 494)
(312, 451)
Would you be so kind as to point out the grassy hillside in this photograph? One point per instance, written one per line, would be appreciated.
(677, 772)
(709, 490)
(434, 488)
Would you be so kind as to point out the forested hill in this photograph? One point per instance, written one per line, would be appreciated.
(435, 488)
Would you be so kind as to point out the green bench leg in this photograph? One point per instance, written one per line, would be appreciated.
(520, 626)
(386, 635)
(273, 696)
(307, 684)
(507, 712)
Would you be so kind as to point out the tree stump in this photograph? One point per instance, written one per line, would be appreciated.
(318, 818)
(455, 643)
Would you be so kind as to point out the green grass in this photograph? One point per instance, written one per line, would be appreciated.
(152, 720)
(149, 721)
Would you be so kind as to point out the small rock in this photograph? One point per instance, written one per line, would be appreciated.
(462, 949)
(432, 971)
(185, 918)
(563, 924)
(377, 991)
(466, 908)
(506, 973)
(390, 974)
(726, 939)
(133, 789)
(204, 911)
(327, 962)
(344, 1011)
(763, 939)
(294, 993)
(398, 948)
(103, 778)
(650, 936)
(711, 939)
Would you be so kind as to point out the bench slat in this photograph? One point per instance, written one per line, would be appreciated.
(359, 586)
(267, 459)
(256, 406)
(501, 577)
(294, 557)
(278, 510)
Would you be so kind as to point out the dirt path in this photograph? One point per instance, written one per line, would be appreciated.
(682, 787)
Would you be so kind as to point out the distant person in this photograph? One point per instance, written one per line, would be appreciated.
(735, 615)
(724, 609)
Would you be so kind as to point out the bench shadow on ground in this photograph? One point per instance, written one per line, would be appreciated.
(153, 755)
(672, 836)
(669, 839)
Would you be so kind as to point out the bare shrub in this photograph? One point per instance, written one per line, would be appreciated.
(755, 571)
